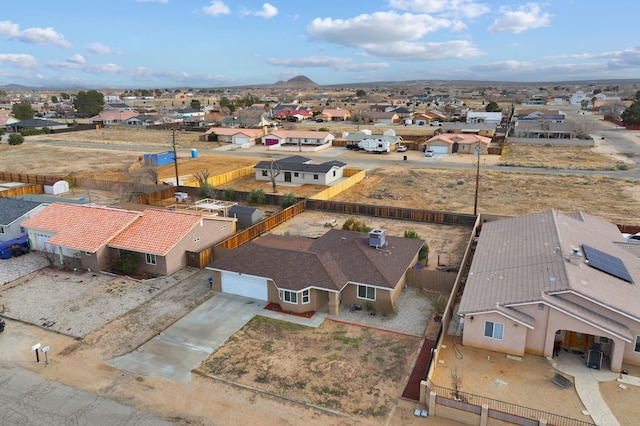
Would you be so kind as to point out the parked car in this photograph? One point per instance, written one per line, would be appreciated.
(1, 325)
(428, 153)
(632, 238)
(436, 123)
(402, 148)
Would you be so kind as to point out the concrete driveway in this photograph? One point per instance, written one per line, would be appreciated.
(180, 348)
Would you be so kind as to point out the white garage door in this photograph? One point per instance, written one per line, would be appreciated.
(244, 285)
(239, 140)
(438, 149)
(41, 242)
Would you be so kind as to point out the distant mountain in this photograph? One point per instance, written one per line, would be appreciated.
(298, 81)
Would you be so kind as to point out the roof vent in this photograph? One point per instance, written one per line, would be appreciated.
(376, 238)
(575, 256)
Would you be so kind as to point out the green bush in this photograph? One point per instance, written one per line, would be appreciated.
(212, 137)
(206, 191)
(16, 139)
(256, 196)
(355, 225)
(410, 233)
(424, 252)
(288, 200)
(31, 132)
(229, 194)
(127, 262)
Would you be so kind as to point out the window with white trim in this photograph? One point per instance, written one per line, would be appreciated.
(306, 296)
(1, 229)
(494, 330)
(636, 347)
(290, 296)
(603, 339)
(264, 173)
(315, 177)
(366, 292)
(150, 258)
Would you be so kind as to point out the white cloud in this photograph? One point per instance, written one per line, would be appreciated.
(88, 68)
(380, 28)
(9, 30)
(459, 8)
(527, 17)
(428, 51)
(268, 11)
(18, 60)
(76, 59)
(216, 8)
(99, 49)
(336, 63)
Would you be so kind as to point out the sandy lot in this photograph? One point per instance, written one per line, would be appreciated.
(346, 368)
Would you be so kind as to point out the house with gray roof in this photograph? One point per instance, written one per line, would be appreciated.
(297, 169)
(339, 269)
(12, 213)
(549, 280)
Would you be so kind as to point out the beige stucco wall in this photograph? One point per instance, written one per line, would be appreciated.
(513, 339)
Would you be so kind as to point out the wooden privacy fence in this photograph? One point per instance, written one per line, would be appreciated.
(392, 212)
(22, 190)
(219, 180)
(353, 177)
(261, 227)
(431, 280)
(28, 178)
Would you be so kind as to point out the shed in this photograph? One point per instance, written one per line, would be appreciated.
(246, 216)
(56, 187)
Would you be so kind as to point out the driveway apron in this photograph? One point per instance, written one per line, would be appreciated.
(173, 353)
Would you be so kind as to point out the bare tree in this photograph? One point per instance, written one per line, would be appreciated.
(456, 382)
(273, 172)
(150, 173)
(206, 189)
(583, 125)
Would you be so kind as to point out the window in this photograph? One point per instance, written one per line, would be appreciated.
(264, 173)
(636, 348)
(1, 229)
(366, 292)
(290, 296)
(603, 339)
(493, 330)
(334, 172)
(306, 297)
(295, 174)
(151, 258)
(315, 177)
(541, 306)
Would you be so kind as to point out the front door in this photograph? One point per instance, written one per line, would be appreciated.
(579, 341)
(287, 176)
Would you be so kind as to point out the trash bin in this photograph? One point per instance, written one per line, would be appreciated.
(5, 253)
(405, 158)
(194, 153)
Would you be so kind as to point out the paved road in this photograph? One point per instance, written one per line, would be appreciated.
(27, 399)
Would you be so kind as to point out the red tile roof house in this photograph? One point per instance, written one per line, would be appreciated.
(449, 143)
(548, 279)
(90, 237)
(298, 169)
(112, 117)
(331, 114)
(341, 268)
(295, 140)
(238, 137)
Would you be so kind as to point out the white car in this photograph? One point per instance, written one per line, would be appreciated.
(632, 238)
(428, 153)
(401, 148)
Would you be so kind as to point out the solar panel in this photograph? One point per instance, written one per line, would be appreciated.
(604, 262)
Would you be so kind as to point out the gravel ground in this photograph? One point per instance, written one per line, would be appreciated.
(77, 303)
(414, 311)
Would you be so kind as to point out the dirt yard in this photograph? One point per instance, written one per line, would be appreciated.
(327, 366)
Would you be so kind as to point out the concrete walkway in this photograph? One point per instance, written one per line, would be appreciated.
(586, 383)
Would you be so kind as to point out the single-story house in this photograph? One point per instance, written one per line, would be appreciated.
(334, 114)
(92, 237)
(233, 136)
(35, 123)
(297, 137)
(449, 143)
(352, 138)
(300, 170)
(341, 268)
(553, 115)
(484, 117)
(382, 117)
(247, 216)
(542, 129)
(481, 129)
(294, 114)
(12, 213)
(113, 117)
(550, 279)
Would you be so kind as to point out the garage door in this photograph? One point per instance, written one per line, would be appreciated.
(271, 141)
(41, 242)
(439, 149)
(238, 140)
(244, 285)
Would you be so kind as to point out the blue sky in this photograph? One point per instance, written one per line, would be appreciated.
(203, 43)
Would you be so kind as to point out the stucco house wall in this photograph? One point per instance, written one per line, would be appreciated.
(513, 339)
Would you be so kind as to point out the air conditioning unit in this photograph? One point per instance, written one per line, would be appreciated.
(181, 197)
(376, 238)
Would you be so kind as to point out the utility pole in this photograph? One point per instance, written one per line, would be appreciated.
(175, 156)
(475, 204)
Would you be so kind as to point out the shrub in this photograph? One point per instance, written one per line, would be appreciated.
(206, 191)
(256, 196)
(16, 139)
(410, 233)
(229, 194)
(212, 137)
(424, 252)
(288, 200)
(127, 262)
(355, 225)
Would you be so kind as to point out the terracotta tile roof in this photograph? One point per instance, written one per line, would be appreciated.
(85, 228)
(156, 232)
(329, 262)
